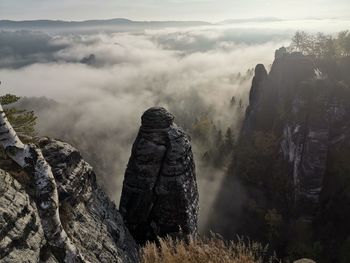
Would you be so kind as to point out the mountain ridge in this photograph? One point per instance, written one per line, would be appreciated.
(45, 23)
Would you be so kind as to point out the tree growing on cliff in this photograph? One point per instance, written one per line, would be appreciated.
(324, 46)
(301, 42)
(321, 45)
(22, 121)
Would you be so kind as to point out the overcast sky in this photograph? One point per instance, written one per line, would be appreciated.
(208, 10)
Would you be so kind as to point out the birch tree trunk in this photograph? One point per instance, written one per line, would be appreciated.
(31, 159)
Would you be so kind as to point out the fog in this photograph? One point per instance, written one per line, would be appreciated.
(91, 90)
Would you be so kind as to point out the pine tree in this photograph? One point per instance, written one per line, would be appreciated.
(218, 149)
(218, 139)
(229, 140)
(22, 121)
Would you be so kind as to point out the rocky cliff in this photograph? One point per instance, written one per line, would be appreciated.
(292, 159)
(160, 194)
(52, 210)
(89, 217)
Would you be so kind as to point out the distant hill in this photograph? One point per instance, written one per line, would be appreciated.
(252, 20)
(93, 24)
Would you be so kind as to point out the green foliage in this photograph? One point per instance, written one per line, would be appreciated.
(229, 140)
(222, 147)
(216, 147)
(8, 99)
(201, 129)
(22, 121)
(255, 158)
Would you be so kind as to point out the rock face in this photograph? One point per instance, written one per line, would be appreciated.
(296, 106)
(259, 78)
(21, 234)
(89, 217)
(160, 194)
(292, 158)
(299, 111)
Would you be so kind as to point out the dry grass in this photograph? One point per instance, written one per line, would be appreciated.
(211, 250)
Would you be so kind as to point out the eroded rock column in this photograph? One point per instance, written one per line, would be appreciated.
(160, 195)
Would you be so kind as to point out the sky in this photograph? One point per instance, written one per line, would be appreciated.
(204, 10)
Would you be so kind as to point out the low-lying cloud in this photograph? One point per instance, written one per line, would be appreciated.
(102, 83)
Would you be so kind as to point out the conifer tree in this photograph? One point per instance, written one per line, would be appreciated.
(229, 140)
(22, 121)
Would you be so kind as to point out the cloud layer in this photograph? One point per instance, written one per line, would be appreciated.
(192, 72)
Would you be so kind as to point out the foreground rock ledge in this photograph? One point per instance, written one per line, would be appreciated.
(89, 217)
(160, 194)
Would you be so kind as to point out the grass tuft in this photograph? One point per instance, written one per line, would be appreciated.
(209, 250)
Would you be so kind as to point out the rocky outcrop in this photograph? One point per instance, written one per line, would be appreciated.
(91, 218)
(258, 80)
(296, 106)
(292, 159)
(30, 159)
(280, 52)
(160, 194)
(21, 234)
(255, 93)
(88, 216)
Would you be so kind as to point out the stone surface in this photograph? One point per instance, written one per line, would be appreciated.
(258, 81)
(292, 159)
(279, 53)
(89, 217)
(160, 194)
(297, 107)
(21, 235)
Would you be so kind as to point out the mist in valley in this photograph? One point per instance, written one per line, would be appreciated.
(90, 89)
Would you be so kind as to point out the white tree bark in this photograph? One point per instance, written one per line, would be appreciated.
(31, 159)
